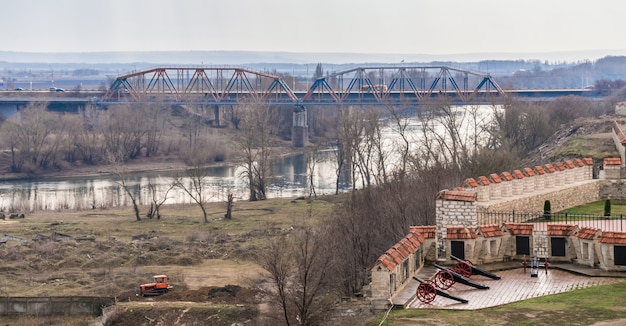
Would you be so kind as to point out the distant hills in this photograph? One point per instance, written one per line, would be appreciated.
(568, 69)
(254, 57)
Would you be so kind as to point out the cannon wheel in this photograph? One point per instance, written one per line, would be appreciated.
(426, 292)
(444, 279)
(464, 268)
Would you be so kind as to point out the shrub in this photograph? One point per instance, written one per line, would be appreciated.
(547, 209)
(607, 207)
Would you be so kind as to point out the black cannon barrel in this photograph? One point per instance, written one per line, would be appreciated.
(478, 271)
(444, 293)
(462, 279)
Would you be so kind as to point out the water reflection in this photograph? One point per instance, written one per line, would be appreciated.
(290, 180)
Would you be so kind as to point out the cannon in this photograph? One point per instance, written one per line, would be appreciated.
(467, 269)
(461, 279)
(427, 291)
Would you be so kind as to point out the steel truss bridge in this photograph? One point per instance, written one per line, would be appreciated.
(384, 85)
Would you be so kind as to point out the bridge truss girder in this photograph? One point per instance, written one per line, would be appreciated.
(385, 85)
(357, 84)
(223, 84)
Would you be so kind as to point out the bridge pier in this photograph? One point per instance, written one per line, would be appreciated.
(216, 115)
(300, 127)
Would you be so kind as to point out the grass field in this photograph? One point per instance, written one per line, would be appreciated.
(618, 207)
(125, 252)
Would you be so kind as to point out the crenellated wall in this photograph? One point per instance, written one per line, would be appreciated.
(560, 198)
(528, 181)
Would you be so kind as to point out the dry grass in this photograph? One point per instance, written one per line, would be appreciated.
(126, 252)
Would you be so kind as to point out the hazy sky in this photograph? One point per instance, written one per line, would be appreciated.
(361, 26)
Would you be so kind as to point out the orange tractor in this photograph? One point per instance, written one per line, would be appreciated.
(160, 284)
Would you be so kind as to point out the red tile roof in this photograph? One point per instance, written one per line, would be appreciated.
(460, 232)
(395, 255)
(386, 261)
(588, 160)
(415, 238)
(408, 245)
(587, 233)
(560, 166)
(405, 247)
(483, 180)
(540, 170)
(612, 161)
(519, 228)
(613, 237)
(579, 162)
(507, 176)
(529, 172)
(494, 177)
(569, 164)
(491, 230)
(550, 168)
(518, 174)
(425, 231)
(404, 251)
(470, 182)
(456, 195)
(561, 230)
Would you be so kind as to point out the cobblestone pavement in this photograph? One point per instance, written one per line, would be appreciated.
(515, 285)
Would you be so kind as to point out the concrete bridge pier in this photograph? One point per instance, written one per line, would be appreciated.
(216, 115)
(300, 127)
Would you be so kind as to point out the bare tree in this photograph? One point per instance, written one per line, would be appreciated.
(230, 202)
(123, 131)
(274, 258)
(33, 137)
(119, 172)
(299, 266)
(312, 286)
(195, 185)
(156, 201)
(255, 149)
(402, 144)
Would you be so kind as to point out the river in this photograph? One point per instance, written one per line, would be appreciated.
(291, 179)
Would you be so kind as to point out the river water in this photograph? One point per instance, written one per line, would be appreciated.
(291, 179)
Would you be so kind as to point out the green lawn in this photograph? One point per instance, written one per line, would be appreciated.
(618, 206)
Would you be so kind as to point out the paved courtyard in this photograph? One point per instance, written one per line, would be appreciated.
(515, 285)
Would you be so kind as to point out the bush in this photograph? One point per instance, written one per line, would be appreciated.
(607, 208)
(547, 209)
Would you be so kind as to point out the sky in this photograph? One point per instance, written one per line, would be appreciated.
(436, 27)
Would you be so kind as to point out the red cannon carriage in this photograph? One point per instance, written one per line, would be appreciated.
(427, 291)
(467, 269)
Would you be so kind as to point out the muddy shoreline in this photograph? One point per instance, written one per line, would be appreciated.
(141, 165)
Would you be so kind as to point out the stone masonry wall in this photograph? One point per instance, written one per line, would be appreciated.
(540, 243)
(452, 213)
(45, 306)
(560, 198)
(613, 189)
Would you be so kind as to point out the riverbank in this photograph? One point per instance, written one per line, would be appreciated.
(138, 165)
